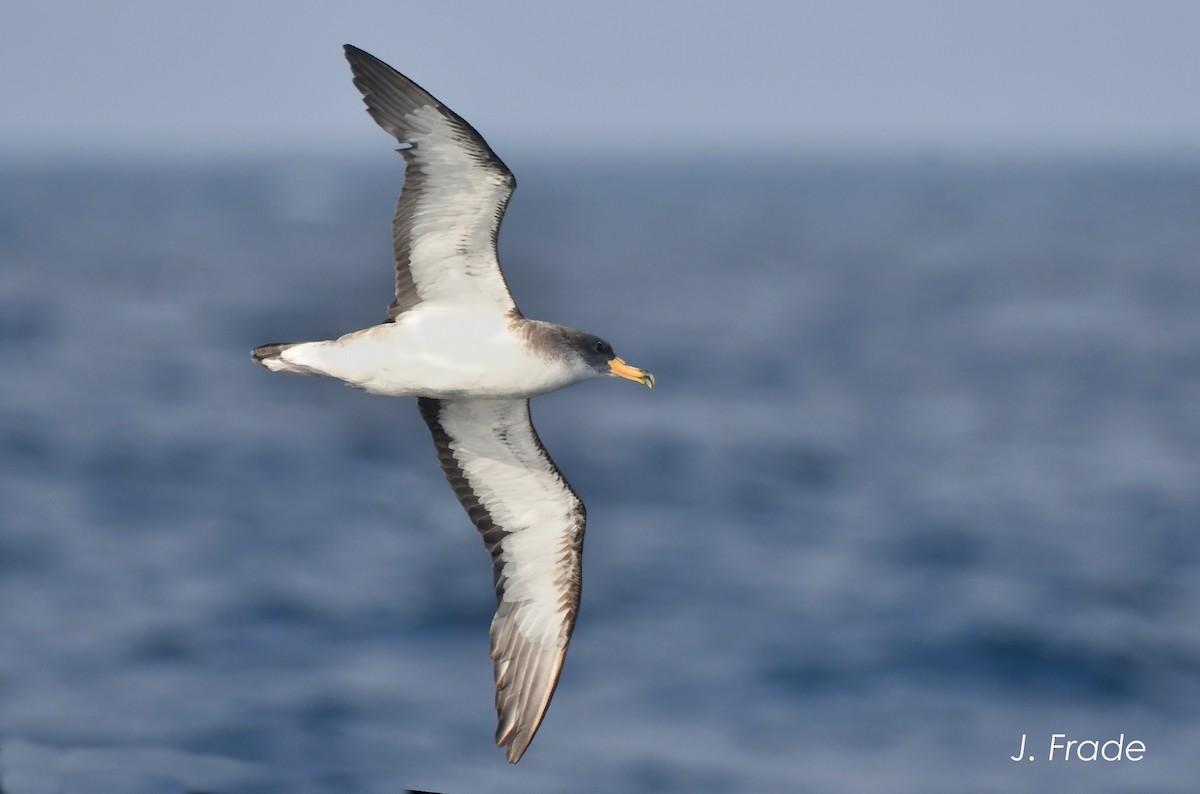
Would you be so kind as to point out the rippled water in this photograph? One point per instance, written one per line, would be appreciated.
(919, 477)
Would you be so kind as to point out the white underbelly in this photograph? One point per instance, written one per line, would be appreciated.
(435, 352)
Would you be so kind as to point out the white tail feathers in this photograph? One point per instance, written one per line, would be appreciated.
(270, 356)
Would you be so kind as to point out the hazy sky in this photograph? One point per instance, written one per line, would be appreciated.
(261, 75)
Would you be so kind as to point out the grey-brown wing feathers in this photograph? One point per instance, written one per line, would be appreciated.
(455, 192)
(533, 525)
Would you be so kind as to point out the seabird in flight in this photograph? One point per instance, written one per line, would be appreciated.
(455, 339)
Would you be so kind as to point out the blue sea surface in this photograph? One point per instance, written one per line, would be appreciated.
(921, 475)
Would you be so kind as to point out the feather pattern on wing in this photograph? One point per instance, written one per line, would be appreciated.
(455, 192)
(533, 524)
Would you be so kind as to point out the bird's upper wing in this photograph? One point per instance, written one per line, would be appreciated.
(455, 192)
(532, 523)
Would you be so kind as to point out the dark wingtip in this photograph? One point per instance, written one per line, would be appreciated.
(360, 57)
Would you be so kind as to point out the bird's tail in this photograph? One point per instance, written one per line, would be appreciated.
(269, 356)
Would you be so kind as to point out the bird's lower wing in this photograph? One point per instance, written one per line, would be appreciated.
(533, 525)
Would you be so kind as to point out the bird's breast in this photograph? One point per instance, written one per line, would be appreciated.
(446, 352)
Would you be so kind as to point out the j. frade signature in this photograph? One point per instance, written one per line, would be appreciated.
(1063, 748)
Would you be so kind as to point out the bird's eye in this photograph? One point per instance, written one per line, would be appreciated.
(601, 347)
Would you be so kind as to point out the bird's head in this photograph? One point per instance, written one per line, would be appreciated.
(598, 355)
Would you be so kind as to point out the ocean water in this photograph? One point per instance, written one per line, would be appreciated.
(921, 475)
